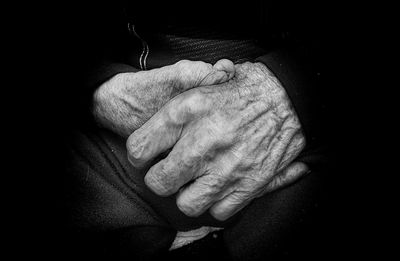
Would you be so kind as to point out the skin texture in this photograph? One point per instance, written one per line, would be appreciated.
(128, 100)
(231, 143)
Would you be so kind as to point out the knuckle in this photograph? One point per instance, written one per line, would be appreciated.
(194, 100)
(174, 114)
(275, 182)
(193, 104)
(185, 106)
(192, 161)
(187, 69)
(248, 186)
(215, 182)
(184, 61)
(182, 65)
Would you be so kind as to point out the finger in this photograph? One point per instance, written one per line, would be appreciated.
(226, 66)
(154, 137)
(231, 204)
(234, 202)
(221, 71)
(278, 148)
(197, 73)
(296, 145)
(287, 176)
(183, 163)
(211, 187)
(163, 130)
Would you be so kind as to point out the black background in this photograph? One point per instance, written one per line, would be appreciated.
(344, 225)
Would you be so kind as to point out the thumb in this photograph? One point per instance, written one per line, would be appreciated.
(221, 72)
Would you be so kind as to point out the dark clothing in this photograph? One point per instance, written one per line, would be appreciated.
(113, 210)
(118, 37)
(107, 204)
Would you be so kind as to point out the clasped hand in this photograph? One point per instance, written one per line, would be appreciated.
(232, 140)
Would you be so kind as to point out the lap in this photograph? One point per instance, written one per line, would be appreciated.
(98, 159)
(107, 193)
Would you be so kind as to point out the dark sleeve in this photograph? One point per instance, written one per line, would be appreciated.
(301, 84)
(104, 213)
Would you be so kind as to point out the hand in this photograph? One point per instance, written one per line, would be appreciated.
(231, 143)
(128, 100)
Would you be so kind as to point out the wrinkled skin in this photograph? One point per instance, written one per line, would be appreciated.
(128, 100)
(230, 143)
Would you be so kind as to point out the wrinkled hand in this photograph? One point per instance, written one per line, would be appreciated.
(128, 100)
(231, 143)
